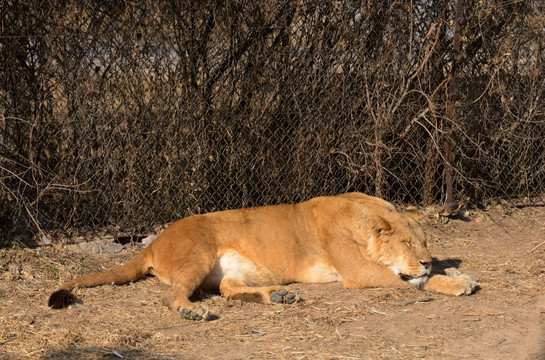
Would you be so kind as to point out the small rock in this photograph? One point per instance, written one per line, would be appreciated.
(149, 239)
(113, 248)
(46, 240)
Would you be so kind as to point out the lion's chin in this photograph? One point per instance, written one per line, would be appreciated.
(415, 281)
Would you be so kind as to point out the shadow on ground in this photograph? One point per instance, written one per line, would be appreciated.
(97, 352)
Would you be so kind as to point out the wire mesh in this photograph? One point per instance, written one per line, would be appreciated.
(124, 115)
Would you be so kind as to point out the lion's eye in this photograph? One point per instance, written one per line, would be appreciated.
(409, 245)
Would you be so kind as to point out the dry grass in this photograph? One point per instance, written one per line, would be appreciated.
(504, 320)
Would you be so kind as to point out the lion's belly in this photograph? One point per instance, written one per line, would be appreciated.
(232, 265)
(235, 266)
(319, 273)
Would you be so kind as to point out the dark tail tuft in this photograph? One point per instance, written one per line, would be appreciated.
(61, 298)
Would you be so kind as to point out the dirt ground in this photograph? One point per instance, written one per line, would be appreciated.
(505, 319)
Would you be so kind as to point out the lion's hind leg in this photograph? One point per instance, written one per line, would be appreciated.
(177, 301)
(238, 289)
(184, 281)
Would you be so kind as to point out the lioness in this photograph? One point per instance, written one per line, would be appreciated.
(249, 254)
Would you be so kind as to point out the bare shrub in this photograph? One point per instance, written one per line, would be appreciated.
(125, 115)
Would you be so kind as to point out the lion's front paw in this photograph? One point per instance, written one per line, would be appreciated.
(454, 283)
(463, 284)
(453, 272)
(283, 296)
(467, 284)
(197, 313)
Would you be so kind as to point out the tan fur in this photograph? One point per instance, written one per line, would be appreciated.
(249, 254)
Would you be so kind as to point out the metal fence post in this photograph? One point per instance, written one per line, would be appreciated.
(452, 96)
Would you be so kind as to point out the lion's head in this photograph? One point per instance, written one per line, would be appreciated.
(398, 242)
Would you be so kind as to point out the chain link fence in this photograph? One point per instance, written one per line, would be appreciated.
(124, 115)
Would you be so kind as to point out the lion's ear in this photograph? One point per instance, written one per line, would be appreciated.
(412, 212)
(380, 226)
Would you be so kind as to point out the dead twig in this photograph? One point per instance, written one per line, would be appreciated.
(9, 338)
(477, 314)
(536, 247)
(413, 301)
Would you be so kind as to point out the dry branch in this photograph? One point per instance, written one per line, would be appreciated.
(536, 247)
(120, 118)
(413, 301)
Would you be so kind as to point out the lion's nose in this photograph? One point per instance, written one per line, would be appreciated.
(426, 264)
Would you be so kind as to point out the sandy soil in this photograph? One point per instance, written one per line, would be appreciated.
(504, 320)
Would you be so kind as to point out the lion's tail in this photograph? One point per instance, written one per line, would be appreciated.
(133, 270)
